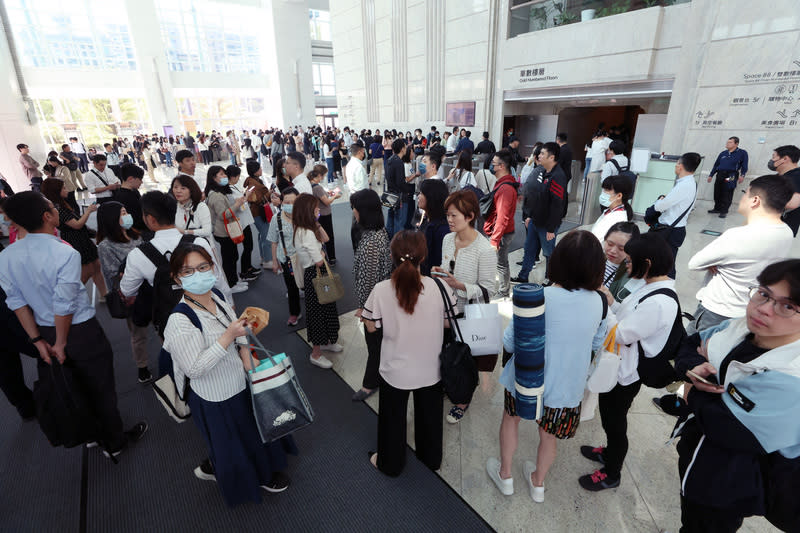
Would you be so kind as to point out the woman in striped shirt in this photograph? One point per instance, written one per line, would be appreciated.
(214, 357)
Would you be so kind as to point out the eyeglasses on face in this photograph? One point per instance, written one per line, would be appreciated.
(783, 307)
(185, 272)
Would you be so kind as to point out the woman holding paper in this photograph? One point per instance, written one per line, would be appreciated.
(468, 265)
(208, 345)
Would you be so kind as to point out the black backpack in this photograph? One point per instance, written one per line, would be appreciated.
(458, 368)
(486, 202)
(155, 302)
(658, 371)
(624, 171)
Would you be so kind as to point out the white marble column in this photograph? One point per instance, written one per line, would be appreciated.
(143, 24)
(696, 37)
(17, 121)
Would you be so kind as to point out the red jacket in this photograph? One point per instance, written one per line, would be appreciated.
(501, 220)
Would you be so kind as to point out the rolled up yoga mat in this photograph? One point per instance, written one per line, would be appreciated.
(528, 319)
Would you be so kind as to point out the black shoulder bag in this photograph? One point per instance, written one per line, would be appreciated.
(458, 368)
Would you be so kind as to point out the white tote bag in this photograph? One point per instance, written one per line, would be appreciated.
(482, 327)
(605, 367)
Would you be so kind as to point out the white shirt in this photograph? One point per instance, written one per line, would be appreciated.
(78, 148)
(308, 248)
(94, 182)
(301, 183)
(111, 158)
(216, 373)
(610, 170)
(256, 141)
(606, 220)
(200, 223)
(326, 152)
(139, 268)
(598, 153)
(679, 199)
(475, 266)
(356, 175)
(244, 214)
(452, 142)
(648, 323)
(740, 254)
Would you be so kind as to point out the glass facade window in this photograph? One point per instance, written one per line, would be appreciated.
(327, 117)
(81, 34)
(206, 113)
(533, 15)
(201, 36)
(320, 25)
(324, 81)
(93, 120)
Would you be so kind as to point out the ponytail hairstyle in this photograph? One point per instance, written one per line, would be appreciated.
(623, 186)
(409, 249)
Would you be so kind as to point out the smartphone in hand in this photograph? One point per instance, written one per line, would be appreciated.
(711, 379)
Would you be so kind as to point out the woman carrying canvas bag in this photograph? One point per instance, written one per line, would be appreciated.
(322, 320)
(214, 357)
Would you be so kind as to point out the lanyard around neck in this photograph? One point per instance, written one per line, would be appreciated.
(201, 306)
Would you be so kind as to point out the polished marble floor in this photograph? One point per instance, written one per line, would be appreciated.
(647, 500)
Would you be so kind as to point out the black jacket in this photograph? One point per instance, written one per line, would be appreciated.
(395, 175)
(485, 147)
(548, 199)
(565, 161)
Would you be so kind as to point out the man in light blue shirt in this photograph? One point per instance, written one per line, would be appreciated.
(41, 275)
(677, 204)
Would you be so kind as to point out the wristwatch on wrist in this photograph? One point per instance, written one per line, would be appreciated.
(34, 340)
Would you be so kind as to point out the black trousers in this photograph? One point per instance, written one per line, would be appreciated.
(392, 408)
(293, 290)
(614, 406)
(230, 255)
(723, 193)
(371, 376)
(92, 360)
(326, 221)
(675, 240)
(247, 249)
(12, 383)
(355, 233)
(696, 518)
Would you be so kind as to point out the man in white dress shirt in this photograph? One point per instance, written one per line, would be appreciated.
(100, 180)
(158, 211)
(80, 151)
(676, 206)
(295, 168)
(356, 179)
(609, 168)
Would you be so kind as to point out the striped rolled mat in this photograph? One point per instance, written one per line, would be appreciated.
(528, 300)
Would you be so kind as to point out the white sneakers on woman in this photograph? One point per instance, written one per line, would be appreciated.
(321, 361)
(505, 486)
(537, 493)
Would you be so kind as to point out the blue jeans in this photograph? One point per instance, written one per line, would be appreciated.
(535, 240)
(396, 220)
(233, 158)
(264, 246)
(329, 164)
(586, 167)
(168, 156)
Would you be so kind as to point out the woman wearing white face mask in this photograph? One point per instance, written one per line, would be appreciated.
(614, 199)
(115, 239)
(208, 345)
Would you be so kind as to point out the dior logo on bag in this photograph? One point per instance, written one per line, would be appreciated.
(477, 338)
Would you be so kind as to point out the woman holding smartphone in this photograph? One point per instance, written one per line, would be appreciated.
(468, 265)
(738, 453)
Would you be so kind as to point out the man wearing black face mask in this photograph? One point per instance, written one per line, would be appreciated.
(785, 162)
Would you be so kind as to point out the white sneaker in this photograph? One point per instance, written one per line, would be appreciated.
(335, 347)
(266, 264)
(321, 361)
(505, 486)
(239, 287)
(537, 493)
